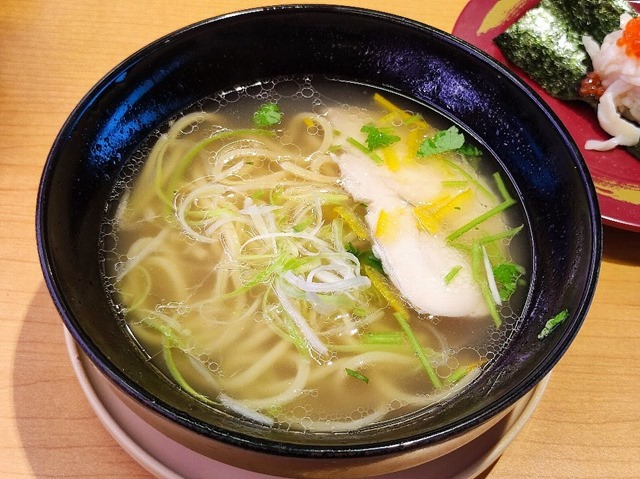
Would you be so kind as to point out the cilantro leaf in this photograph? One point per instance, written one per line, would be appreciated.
(469, 150)
(368, 258)
(268, 114)
(445, 140)
(365, 257)
(378, 137)
(506, 276)
(553, 323)
(350, 248)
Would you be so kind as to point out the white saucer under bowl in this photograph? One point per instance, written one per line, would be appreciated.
(167, 459)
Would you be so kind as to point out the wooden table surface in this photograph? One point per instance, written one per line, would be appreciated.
(586, 426)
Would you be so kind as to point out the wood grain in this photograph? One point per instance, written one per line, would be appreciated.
(51, 53)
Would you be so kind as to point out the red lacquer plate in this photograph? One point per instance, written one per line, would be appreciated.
(615, 173)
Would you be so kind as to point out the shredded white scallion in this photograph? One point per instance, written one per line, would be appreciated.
(493, 287)
(239, 408)
(331, 287)
(309, 335)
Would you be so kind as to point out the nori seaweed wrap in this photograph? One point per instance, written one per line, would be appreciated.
(547, 41)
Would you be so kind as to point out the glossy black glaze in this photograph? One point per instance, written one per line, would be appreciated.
(363, 46)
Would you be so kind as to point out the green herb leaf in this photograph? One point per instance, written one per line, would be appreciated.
(365, 257)
(553, 323)
(357, 375)
(268, 114)
(469, 150)
(350, 248)
(506, 276)
(446, 140)
(378, 137)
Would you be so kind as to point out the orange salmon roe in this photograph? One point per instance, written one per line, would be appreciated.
(591, 86)
(630, 38)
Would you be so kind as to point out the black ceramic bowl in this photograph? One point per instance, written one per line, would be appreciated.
(362, 46)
